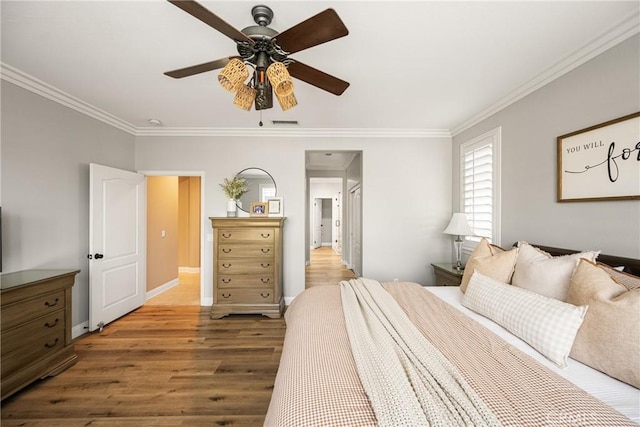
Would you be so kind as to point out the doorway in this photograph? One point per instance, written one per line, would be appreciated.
(331, 176)
(174, 239)
(323, 218)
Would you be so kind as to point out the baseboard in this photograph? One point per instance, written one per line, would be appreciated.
(326, 244)
(162, 288)
(80, 329)
(192, 270)
(206, 302)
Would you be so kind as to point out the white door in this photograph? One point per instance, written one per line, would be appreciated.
(317, 223)
(356, 231)
(117, 243)
(336, 215)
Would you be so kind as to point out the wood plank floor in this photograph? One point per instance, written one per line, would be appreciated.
(169, 364)
(161, 365)
(325, 268)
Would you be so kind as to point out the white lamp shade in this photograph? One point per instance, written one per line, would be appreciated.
(458, 226)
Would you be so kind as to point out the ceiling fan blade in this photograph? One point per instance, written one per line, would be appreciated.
(200, 12)
(317, 78)
(321, 28)
(200, 68)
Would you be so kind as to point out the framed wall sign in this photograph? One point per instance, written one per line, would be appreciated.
(601, 162)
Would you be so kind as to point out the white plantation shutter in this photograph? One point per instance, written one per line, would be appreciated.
(480, 195)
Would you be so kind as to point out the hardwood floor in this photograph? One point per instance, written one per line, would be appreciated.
(169, 364)
(161, 365)
(326, 268)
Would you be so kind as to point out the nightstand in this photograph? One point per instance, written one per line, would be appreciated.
(446, 274)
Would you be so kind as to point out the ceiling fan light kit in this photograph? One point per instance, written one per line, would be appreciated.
(280, 79)
(287, 102)
(267, 52)
(233, 75)
(245, 97)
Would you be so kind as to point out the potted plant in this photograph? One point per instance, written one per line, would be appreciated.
(233, 189)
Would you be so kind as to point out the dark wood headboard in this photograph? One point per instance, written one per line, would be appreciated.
(630, 265)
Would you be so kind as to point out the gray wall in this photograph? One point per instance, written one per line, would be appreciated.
(46, 151)
(406, 201)
(604, 88)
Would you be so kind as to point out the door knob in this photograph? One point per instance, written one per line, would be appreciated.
(98, 256)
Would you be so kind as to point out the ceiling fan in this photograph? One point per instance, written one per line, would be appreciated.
(266, 52)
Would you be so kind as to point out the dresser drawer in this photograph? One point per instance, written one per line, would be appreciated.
(32, 341)
(245, 250)
(24, 311)
(246, 281)
(245, 266)
(262, 235)
(245, 296)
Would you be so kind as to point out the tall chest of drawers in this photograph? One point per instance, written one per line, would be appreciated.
(247, 272)
(36, 326)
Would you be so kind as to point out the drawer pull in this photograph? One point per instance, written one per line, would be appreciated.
(265, 235)
(48, 304)
(226, 295)
(226, 280)
(265, 279)
(226, 235)
(265, 265)
(47, 345)
(265, 250)
(51, 325)
(263, 295)
(226, 265)
(226, 251)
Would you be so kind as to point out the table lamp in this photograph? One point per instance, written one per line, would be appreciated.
(458, 226)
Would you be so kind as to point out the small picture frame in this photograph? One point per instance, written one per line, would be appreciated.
(275, 206)
(258, 209)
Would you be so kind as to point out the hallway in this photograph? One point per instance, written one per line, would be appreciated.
(326, 268)
(186, 293)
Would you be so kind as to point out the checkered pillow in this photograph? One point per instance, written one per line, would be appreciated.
(546, 324)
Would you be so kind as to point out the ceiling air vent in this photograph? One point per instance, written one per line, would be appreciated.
(284, 122)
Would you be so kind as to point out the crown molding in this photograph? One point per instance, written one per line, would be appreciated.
(296, 133)
(624, 29)
(32, 84)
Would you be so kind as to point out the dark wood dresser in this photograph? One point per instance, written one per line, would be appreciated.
(35, 317)
(247, 275)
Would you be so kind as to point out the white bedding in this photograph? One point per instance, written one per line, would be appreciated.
(623, 397)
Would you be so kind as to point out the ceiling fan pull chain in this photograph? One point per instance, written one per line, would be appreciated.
(260, 122)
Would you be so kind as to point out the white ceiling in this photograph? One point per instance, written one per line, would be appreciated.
(414, 67)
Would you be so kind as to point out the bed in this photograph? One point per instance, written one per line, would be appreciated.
(324, 381)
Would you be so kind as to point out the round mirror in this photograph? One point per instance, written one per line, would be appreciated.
(260, 187)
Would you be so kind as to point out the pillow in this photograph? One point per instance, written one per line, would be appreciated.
(544, 274)
(490, 260)
(609, 339)
(546, 324)
(627, 280)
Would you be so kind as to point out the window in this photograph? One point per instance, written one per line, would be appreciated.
(480, 187)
